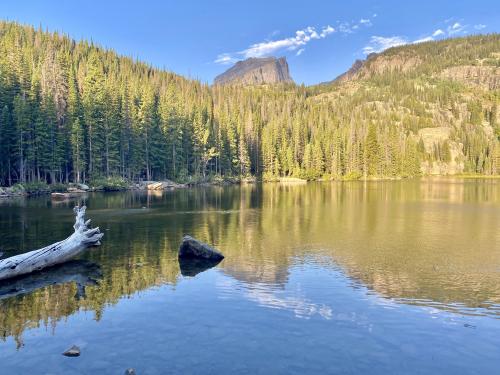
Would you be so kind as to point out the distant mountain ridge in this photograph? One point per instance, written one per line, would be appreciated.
(256, 71)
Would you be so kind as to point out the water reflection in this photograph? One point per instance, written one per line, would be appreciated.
(81, 272)
(431, 243)
(192, 267)
(294, 301)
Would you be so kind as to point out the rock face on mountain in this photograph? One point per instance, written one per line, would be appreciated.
(378, 64)
(256, 71)
(486, 77)
(351, 73)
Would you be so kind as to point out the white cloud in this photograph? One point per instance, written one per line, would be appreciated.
(301, 38)
(380, 43)
(345, 28)
(326, 31)
(294, 43)
(456, 28)
(422, 40)
(438, 32)
(365, 21)
(225, 59)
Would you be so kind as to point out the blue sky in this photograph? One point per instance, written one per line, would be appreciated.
(200, 39)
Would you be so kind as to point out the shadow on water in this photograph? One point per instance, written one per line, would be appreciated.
(81, 272)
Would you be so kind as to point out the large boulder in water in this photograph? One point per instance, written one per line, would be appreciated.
(192, 248)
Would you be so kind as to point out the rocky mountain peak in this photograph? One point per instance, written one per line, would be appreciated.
(256, 71)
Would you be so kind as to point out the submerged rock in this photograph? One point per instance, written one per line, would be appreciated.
(192, 248)
(74, 351)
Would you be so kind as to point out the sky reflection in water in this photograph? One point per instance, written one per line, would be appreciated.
(387, 277)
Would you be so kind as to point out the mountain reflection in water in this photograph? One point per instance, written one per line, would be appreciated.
(431, 243)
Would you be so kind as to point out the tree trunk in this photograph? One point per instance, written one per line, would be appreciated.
(60, 252)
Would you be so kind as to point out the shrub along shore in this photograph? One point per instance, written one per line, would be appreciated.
(115, 184)
(108, 185)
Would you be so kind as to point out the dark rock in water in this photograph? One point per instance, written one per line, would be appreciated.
(130, 371)
(74, 351)
(192, 248)
(194, 266)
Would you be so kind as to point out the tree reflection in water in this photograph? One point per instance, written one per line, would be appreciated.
(429, 242)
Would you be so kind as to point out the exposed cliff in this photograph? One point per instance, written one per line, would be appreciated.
(379, 64)
(351, 73)
(486, 77)
(256, 71)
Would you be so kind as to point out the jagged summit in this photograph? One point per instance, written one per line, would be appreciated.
(256, 71)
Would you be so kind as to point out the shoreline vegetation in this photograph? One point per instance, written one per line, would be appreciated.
(114, 184)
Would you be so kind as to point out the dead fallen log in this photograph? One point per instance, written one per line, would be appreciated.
(57, 253)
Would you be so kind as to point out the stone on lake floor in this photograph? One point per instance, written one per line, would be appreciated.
(74, 351)
(192, 248)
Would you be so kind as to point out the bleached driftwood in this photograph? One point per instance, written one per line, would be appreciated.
(60, 252)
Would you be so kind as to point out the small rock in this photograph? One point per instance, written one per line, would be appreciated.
(74, 351)
(130, 371)
(155, 186)
(83, 187)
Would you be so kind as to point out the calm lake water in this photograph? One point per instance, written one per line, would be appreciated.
(349, 278)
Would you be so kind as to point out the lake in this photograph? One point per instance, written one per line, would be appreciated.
(395, 277)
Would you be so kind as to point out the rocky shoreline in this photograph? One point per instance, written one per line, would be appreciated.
(61, 192)
(74, 189)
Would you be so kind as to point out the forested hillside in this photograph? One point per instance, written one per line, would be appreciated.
(72, 111)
